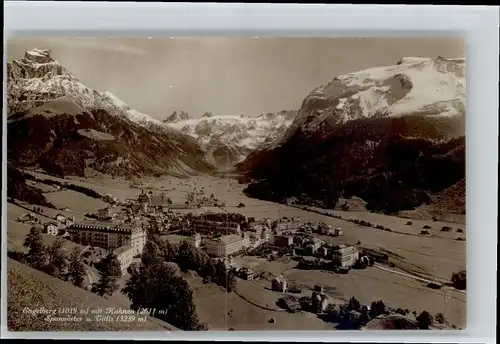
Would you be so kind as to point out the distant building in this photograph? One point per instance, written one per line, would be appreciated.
(313, 245)
(247, 274)
(283, 240)
(224, 245)
(109, 235)
(290, 303)
(125, 255)
(195, 240)
(52, 228)
(345, 256)
(104, 214)
(61, 218)
(288, 225)
(279, 284)
(69, 221)
(319, 302)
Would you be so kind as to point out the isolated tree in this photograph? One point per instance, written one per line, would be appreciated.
(377, 308)
(171, 252)
(220, 273)
(354, 304)
(109, 274)
(157, 286)
(231, 282)
(58, 258)
(365, 316)
(34, 242)
(439, 318)
(210, 270)
(424, 320)
(151, 253)
(183, 310)
(186, 257)
(459, 280)
(76, 269)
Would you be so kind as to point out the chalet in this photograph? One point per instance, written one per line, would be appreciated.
(247, 274)
(345, 256)
(290, 303)
(104, 214)
(51, 228)
(61, 218)
(69, 221)
(279, 284)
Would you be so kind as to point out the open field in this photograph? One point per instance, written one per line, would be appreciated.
(222, 311)
(16, 231)
(366, 285)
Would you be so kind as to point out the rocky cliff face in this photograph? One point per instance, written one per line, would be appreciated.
(59, 124)
(392, 136)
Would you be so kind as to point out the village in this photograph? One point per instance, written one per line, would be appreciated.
(122, 228)
(299, 263)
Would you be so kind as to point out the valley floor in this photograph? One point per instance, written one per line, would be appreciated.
(435, 256)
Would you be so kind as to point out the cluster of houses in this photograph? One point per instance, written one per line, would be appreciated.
(59, 226)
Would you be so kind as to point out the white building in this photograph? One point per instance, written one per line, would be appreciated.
(224, 245)
(345, 256)
(104, 214)
(61, 218)
(51, 228)
(109, 235)
(279, 284)
(125, 255)
(195, 240)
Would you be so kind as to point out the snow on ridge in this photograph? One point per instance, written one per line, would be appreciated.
(433, 80)
(234, 131)
(415, 85)
(132, 114)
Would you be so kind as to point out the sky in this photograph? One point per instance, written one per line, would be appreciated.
(227, 76)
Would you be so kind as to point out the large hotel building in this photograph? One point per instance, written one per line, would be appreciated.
(109, 235)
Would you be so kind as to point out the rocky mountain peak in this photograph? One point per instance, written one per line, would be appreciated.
(176, 116)
(39, 55)
(36, 63)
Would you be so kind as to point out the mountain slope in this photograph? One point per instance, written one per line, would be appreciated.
(32, 289)
(228, 139)
(57, 123)
(392, 136)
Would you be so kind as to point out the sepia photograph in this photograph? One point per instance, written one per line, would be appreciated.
(236, 183)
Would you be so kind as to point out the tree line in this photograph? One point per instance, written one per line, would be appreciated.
(51, 259)
(54, 261)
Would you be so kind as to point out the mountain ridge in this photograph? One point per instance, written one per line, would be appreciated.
(59, 124)
(377, 152)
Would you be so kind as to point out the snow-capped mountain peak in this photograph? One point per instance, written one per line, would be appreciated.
(243, 134)
(39, 77)
(132, 114)
(413, 86)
